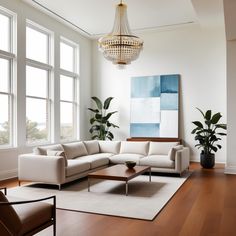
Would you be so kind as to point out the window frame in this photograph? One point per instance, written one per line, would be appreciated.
(75, 99)
(49, 68)
(10, 55)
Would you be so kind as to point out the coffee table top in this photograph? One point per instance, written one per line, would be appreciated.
(119, 172)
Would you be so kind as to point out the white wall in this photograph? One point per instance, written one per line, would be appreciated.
(197, 54)
(8, 157)
(230, 21)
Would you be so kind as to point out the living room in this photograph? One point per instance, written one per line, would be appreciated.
(197, 42)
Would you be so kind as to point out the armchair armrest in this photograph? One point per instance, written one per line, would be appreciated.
(31, 201)
(40, 168)
(182, 160)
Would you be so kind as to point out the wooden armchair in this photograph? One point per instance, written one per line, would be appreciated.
(18, 218)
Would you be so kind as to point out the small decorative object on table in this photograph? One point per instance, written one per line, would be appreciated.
(130, 164)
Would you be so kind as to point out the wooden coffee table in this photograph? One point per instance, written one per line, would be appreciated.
(120, 173)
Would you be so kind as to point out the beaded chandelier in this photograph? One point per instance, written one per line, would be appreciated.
(120, 46)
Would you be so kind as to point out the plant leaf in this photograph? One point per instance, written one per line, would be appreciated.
(201, 112)
(222, 126)
(222, 134)
(107, 103)
(94, 110)
(109, 115)
(198, 124)
(98, 102)
(208, 115)
(215, 118)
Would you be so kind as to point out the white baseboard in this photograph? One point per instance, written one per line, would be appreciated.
(8, 174)
(230, 170)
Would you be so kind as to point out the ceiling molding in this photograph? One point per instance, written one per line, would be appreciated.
(85, 33)
(59, 18)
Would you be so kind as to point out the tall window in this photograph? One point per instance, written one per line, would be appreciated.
(7, 57)
(38, 70)
(68, 89)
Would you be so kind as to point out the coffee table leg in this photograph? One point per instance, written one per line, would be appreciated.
(126, 188)
(88, 184)
(150, 175)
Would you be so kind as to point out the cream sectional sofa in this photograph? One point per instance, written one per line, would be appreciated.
(62, 163)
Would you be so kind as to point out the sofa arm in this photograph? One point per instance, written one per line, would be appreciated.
(40, 168)
(182, 160)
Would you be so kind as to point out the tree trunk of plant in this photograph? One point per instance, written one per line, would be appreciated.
(207, 160)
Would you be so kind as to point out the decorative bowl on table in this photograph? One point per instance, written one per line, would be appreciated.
(130, 164)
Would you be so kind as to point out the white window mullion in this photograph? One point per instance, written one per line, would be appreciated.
(7, 55)
(38, 53)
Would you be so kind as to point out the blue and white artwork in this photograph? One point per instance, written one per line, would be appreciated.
(154, 106)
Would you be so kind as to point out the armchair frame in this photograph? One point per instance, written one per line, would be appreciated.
(41, 227)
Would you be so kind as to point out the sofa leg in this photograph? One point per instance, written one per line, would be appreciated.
(19, 183)
(59, 186)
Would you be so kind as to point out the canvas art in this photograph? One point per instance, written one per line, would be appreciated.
(154, 106)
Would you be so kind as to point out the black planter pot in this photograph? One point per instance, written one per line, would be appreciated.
(207, 160)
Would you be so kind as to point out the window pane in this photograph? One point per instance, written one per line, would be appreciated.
(36, 120)
(36, 45)
(4, 120)
(66, 88)
(66, 120)
(66, 57)
(5, 40)
(4, 75)
(36, 82)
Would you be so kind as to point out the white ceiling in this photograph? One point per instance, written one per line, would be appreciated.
(95, 17)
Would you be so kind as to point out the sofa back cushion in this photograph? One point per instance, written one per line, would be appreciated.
(73, 150)
(134, 147)
(8, 216)
(58, 153)
(109, 146)
(161, 148)
(173, 150)
(42, 150)
(92, 146)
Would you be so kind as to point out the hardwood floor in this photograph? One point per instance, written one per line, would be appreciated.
(204, 205)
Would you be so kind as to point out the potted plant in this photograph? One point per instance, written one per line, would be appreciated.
(207, 134)
(101, 125)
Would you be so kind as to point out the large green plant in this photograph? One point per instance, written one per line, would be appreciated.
(101, 125)
(206, 132)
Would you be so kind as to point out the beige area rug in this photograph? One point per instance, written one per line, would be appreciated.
(145, 199)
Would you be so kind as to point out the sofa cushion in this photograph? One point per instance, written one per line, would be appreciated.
(122, 158)
(58, 153)
(92, 146)
(42, 150)
(134, 147)
(161, 148)
(76, 166)
(159, 161)
(173, 151)
(73, 150)
(96, 160)
(9, 217)
(109, 146)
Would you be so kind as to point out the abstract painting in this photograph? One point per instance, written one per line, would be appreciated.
(154, 106)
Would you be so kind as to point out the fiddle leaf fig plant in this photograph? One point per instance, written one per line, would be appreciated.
(100, 123)
(208, 132)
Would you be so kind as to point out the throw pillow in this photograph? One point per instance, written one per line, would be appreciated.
(173, 151)
(161, 148)
(8, 216)
(109, 146)
(58, 153)
(43, 149)
(92, 146)
(73, 150)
